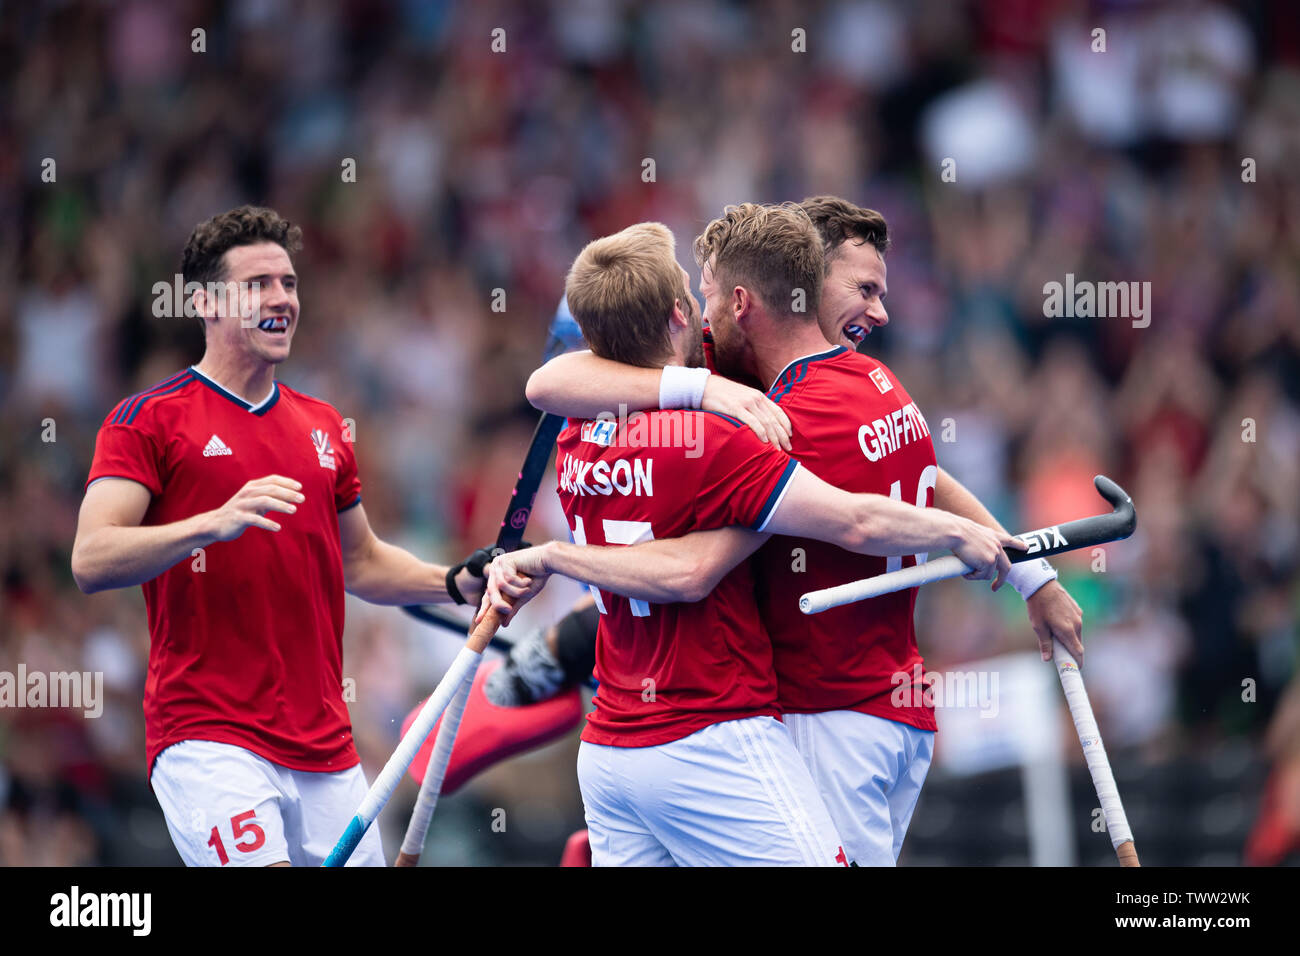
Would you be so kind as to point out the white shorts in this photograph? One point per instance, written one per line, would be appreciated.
(733, 794)
(870, 772)
(226, 806)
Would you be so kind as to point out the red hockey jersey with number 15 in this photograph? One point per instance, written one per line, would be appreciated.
(246, 636)
(856, 427)
(668, 670)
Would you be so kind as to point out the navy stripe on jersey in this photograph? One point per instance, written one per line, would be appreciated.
(179, 385)
(790, 378)
(778, 491)
(145, 400)
(124, 406)
(351, 506)
(275, 397)
(131, 405)
(774, 499)
(735, 421)
(795, 372)
(231, 396)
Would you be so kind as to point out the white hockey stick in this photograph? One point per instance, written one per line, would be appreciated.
(431, 786)
(465, 663)
(1083, 533)
(1085, 724)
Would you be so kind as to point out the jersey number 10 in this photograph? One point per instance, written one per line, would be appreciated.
(929, 478)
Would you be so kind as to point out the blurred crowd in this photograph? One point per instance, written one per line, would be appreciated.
(1005, 148)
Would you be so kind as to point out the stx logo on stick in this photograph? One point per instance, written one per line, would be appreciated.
(1040, 540)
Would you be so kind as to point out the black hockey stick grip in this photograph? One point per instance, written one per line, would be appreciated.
(1118, 524)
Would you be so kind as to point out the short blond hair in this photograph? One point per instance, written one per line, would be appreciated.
(772, 250)
(622, 289)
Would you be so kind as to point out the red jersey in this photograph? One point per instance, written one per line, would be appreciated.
(855, 427)
(245, 639)
(668, 670)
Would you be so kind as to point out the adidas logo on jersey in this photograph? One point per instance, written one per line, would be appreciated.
(215, 447)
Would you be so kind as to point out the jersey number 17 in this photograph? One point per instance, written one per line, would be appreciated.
(616, 532)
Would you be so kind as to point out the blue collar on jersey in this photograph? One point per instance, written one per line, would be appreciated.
(796, 370)
(261, 408)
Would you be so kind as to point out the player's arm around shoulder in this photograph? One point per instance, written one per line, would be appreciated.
(113, 550)
(583, 385)
(383, 573)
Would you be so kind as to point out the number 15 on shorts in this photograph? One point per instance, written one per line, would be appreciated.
(241, 829)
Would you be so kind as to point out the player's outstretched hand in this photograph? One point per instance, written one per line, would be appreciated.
(513, 580)
(1054, 614)
(248, 507)
(981, 549)
(751, 406)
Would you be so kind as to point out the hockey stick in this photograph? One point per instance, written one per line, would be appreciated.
(510, 536)
(1057, 539)
(513, 524)
(508, 539)
(1094, 752)
(431, 785)
(563, 336)
(440, 617)
(448, 621)
(1085, 532)
(461, 670)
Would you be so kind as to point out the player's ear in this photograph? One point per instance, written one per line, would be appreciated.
(741, 304)
(679, 319)
(207, 298)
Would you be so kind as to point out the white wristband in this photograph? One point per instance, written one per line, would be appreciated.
(1028, 576)
(681, 387)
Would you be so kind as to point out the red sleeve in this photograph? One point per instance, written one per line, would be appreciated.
(347, 486)
(127, 451)
(744, 478)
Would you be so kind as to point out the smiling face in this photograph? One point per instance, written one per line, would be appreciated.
(257, 323)
(852, 301)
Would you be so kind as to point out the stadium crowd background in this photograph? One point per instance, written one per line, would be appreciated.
(478, 170)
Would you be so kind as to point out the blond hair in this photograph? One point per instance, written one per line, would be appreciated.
(774, 251)
(622, 289)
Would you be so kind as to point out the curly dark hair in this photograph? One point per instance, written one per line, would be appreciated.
(839, 221)
(244, 226)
